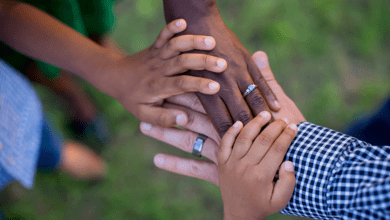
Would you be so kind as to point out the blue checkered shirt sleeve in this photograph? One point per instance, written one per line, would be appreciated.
(338, 176)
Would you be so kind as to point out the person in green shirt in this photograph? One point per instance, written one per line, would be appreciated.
(93, 19)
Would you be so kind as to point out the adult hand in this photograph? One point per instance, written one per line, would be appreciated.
(228, 105)
(142, 81)
(199, 123)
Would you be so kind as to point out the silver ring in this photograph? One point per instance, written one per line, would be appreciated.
(198, 145)
(249, 90)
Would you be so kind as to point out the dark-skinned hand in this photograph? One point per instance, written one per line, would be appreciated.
(228, 105)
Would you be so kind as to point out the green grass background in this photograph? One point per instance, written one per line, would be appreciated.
(330, 57)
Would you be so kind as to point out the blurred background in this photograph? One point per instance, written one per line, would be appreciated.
(330, 57)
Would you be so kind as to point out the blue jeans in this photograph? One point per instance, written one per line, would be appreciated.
(373, 129)
(50, 150)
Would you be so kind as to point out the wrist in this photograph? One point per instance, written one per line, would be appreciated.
(190, 10)
(97, 68)
(246, 216)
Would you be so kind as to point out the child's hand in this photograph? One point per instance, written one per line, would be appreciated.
(247, 170)
(142, 81)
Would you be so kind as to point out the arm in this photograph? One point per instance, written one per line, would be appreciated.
(337, 175)
(140, 82)
(228, 105)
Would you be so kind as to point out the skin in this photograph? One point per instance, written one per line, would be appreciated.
(140, 82)
(200, 123)
(228, 105)
(247, 164)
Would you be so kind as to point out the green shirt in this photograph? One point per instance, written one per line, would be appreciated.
(86, 17)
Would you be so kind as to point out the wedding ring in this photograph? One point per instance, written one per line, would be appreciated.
(198, 145)
(249, 90)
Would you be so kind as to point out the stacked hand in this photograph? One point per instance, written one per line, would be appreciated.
(142, 81)
(245, 172)
(200, 123)
(228, 105)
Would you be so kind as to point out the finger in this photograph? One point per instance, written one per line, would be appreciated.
(180, 84)
(197, 122)
(248, 134)
(186, 43)
(253, 68)
(217, 111)
(189, 167)
(227, 142)
(265, 141)
(284, 187)
(189, 100)
(256, 102)
(195, 61)
(279, 149)
(238, 108)
(169, 31)
(182, 139)
(162, 117)
(261, 61)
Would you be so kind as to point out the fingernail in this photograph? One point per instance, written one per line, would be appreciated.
(277, 105)
(236, 124)
(289, 166)
(208, 41)
(213, 85)
(178, 23)
(293, 127)
(285, 120)
(221, 63)
(147, 126)
(181, 119)
(159, 161)
(265, 114)
(261, 62)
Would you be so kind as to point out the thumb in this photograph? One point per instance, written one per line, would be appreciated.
(261, 60)
(284, 187)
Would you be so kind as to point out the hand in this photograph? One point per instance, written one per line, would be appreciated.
(200, 123)
(247, 169)
(228, 105)
(142, 81)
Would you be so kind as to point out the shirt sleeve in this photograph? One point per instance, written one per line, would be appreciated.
(338, 176)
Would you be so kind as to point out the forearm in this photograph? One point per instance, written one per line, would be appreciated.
(190, 10)
(37, 34)
(338, 176)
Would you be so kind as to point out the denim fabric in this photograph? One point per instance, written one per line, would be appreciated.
(50, 150)
(373, 129)
(20, 127)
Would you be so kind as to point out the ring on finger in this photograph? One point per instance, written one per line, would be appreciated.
(198, 145)
(249, 90)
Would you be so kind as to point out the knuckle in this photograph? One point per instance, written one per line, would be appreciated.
(163, 119)
(241, 140)
(244, 117)
(266, 138)
(179, 82)
(256, 99)
(279, 148)
(182, 60)
(188, 141)
(223, 127)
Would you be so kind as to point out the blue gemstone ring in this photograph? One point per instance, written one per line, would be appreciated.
(198, 145)
(249, 90)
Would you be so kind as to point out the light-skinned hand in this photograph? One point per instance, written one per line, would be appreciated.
(247, 164)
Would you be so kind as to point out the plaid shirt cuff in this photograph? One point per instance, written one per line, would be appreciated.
(338, 176)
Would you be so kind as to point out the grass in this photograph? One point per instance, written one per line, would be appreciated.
(330, 57)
